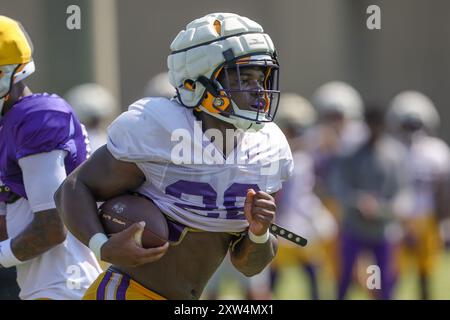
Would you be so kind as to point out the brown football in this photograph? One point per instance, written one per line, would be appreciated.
(119, 213)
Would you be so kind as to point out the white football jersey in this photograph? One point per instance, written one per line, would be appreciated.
(64, 272)
(428, 162)
(187, 175)
(299, 208)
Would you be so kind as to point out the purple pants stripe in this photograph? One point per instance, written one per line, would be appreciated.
(122, 289)
(102, 286)
(351, 246)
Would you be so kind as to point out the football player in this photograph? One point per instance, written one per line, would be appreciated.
(159, 86)
(338, 131)
(95, 107)
(41, 141)
(414, 120)
(225, 70)
(298, 206)
(369, 179)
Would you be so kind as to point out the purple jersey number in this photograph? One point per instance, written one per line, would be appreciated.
(230, 197)
(203, 189)
(209, 197)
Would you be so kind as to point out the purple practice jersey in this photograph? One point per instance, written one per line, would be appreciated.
(35, 124)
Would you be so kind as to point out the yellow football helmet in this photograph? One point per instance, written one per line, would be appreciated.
(16, 62)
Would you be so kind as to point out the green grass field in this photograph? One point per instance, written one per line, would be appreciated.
(293, 285)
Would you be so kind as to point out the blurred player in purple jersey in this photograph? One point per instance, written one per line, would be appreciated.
(41, 141)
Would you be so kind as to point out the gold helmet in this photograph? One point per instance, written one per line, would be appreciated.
(16, 62)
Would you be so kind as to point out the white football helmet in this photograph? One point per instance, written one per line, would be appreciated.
(295, 111)
(412, 109)
(217, 43)
(159, 86)
(91, 102)
(338, 97)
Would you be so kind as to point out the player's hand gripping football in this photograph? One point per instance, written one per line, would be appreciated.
(259, 210)
(123, 248)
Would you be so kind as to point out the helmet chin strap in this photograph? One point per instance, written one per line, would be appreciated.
(2, 104)
(239, 123)
(249, 114)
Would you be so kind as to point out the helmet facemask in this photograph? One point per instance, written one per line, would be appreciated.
(223, 44)
(10, 75)
(6, 82)
(243, 92)
(6, 79)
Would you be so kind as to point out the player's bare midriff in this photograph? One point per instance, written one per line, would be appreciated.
(183, 272)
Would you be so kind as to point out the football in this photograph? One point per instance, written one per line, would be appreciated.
(117, 214)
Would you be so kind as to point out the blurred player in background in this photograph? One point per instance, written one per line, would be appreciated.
(95, 107)
(339, 131)
(423, 204)
(159, 86)
(225, 70)
(368, 181)
(227, 274)
(299, 208)
(41, 142)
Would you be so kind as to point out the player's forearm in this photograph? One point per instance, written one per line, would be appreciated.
(43, 233)
(251, 258)
(78, 209)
